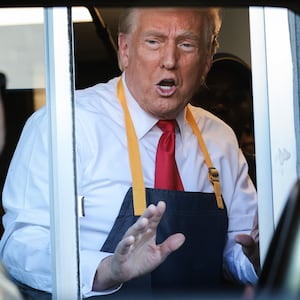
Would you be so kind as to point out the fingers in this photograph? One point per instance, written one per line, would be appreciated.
(124, 246)
(248, 244)
(137, 253)
(149, 219)
(250, 248)
(245, 240)
(144, 228)
(154, 213)
(171, 244)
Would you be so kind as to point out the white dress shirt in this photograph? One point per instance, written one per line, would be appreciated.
(103, 178)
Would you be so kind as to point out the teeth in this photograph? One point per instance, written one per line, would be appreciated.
(166, 88)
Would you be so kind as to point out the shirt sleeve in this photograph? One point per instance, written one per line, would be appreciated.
(238, 192)
(241, 206)
(25, 247)
(89, 263)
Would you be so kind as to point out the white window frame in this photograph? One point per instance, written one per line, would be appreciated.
(275, 140)
(62, 177)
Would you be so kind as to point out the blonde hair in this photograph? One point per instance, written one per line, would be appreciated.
(212, 17)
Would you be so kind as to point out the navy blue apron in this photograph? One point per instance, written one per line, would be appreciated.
(197, 264)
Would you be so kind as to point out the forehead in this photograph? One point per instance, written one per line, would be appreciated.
(169, 18)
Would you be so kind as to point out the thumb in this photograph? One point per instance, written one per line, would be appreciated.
(250, 249)
(245, 240)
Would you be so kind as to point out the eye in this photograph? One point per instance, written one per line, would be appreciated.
(152, 43)
(187, 46)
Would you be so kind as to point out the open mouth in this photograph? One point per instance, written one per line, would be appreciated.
(166, 87)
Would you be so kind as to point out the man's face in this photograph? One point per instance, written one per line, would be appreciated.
(165, 57)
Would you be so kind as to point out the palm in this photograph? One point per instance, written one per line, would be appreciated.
(137, 253)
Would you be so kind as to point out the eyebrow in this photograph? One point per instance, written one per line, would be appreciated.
(191, 35)
(153, 33)
(187, 34)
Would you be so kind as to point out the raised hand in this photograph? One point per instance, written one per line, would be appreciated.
(137, 253)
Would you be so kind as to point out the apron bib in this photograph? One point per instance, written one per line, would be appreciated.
(201, 217)
(197, 264)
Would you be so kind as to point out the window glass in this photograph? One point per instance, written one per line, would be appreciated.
(22, 61)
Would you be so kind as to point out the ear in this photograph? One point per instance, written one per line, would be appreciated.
(213, 50)
(208, 64)
(123, 50)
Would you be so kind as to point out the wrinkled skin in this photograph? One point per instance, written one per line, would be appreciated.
(164, 59)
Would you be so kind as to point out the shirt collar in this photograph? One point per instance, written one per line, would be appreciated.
(143, 121)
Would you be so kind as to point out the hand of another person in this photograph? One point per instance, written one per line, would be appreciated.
(137, 253)
(250, 244)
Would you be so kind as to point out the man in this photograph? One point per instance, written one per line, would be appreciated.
(185, 238)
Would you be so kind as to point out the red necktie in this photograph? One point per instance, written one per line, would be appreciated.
(166, 172)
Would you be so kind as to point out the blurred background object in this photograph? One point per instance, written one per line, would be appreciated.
(2, 119)
(227, 93)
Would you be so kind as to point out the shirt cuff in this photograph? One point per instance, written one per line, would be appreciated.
(251, 276)
(89, 262)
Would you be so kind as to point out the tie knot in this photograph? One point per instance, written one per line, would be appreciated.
(167, 125)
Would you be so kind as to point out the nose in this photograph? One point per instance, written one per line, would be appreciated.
(169, 56)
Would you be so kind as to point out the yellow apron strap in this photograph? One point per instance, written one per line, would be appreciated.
(138, 185)
(213, 174)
